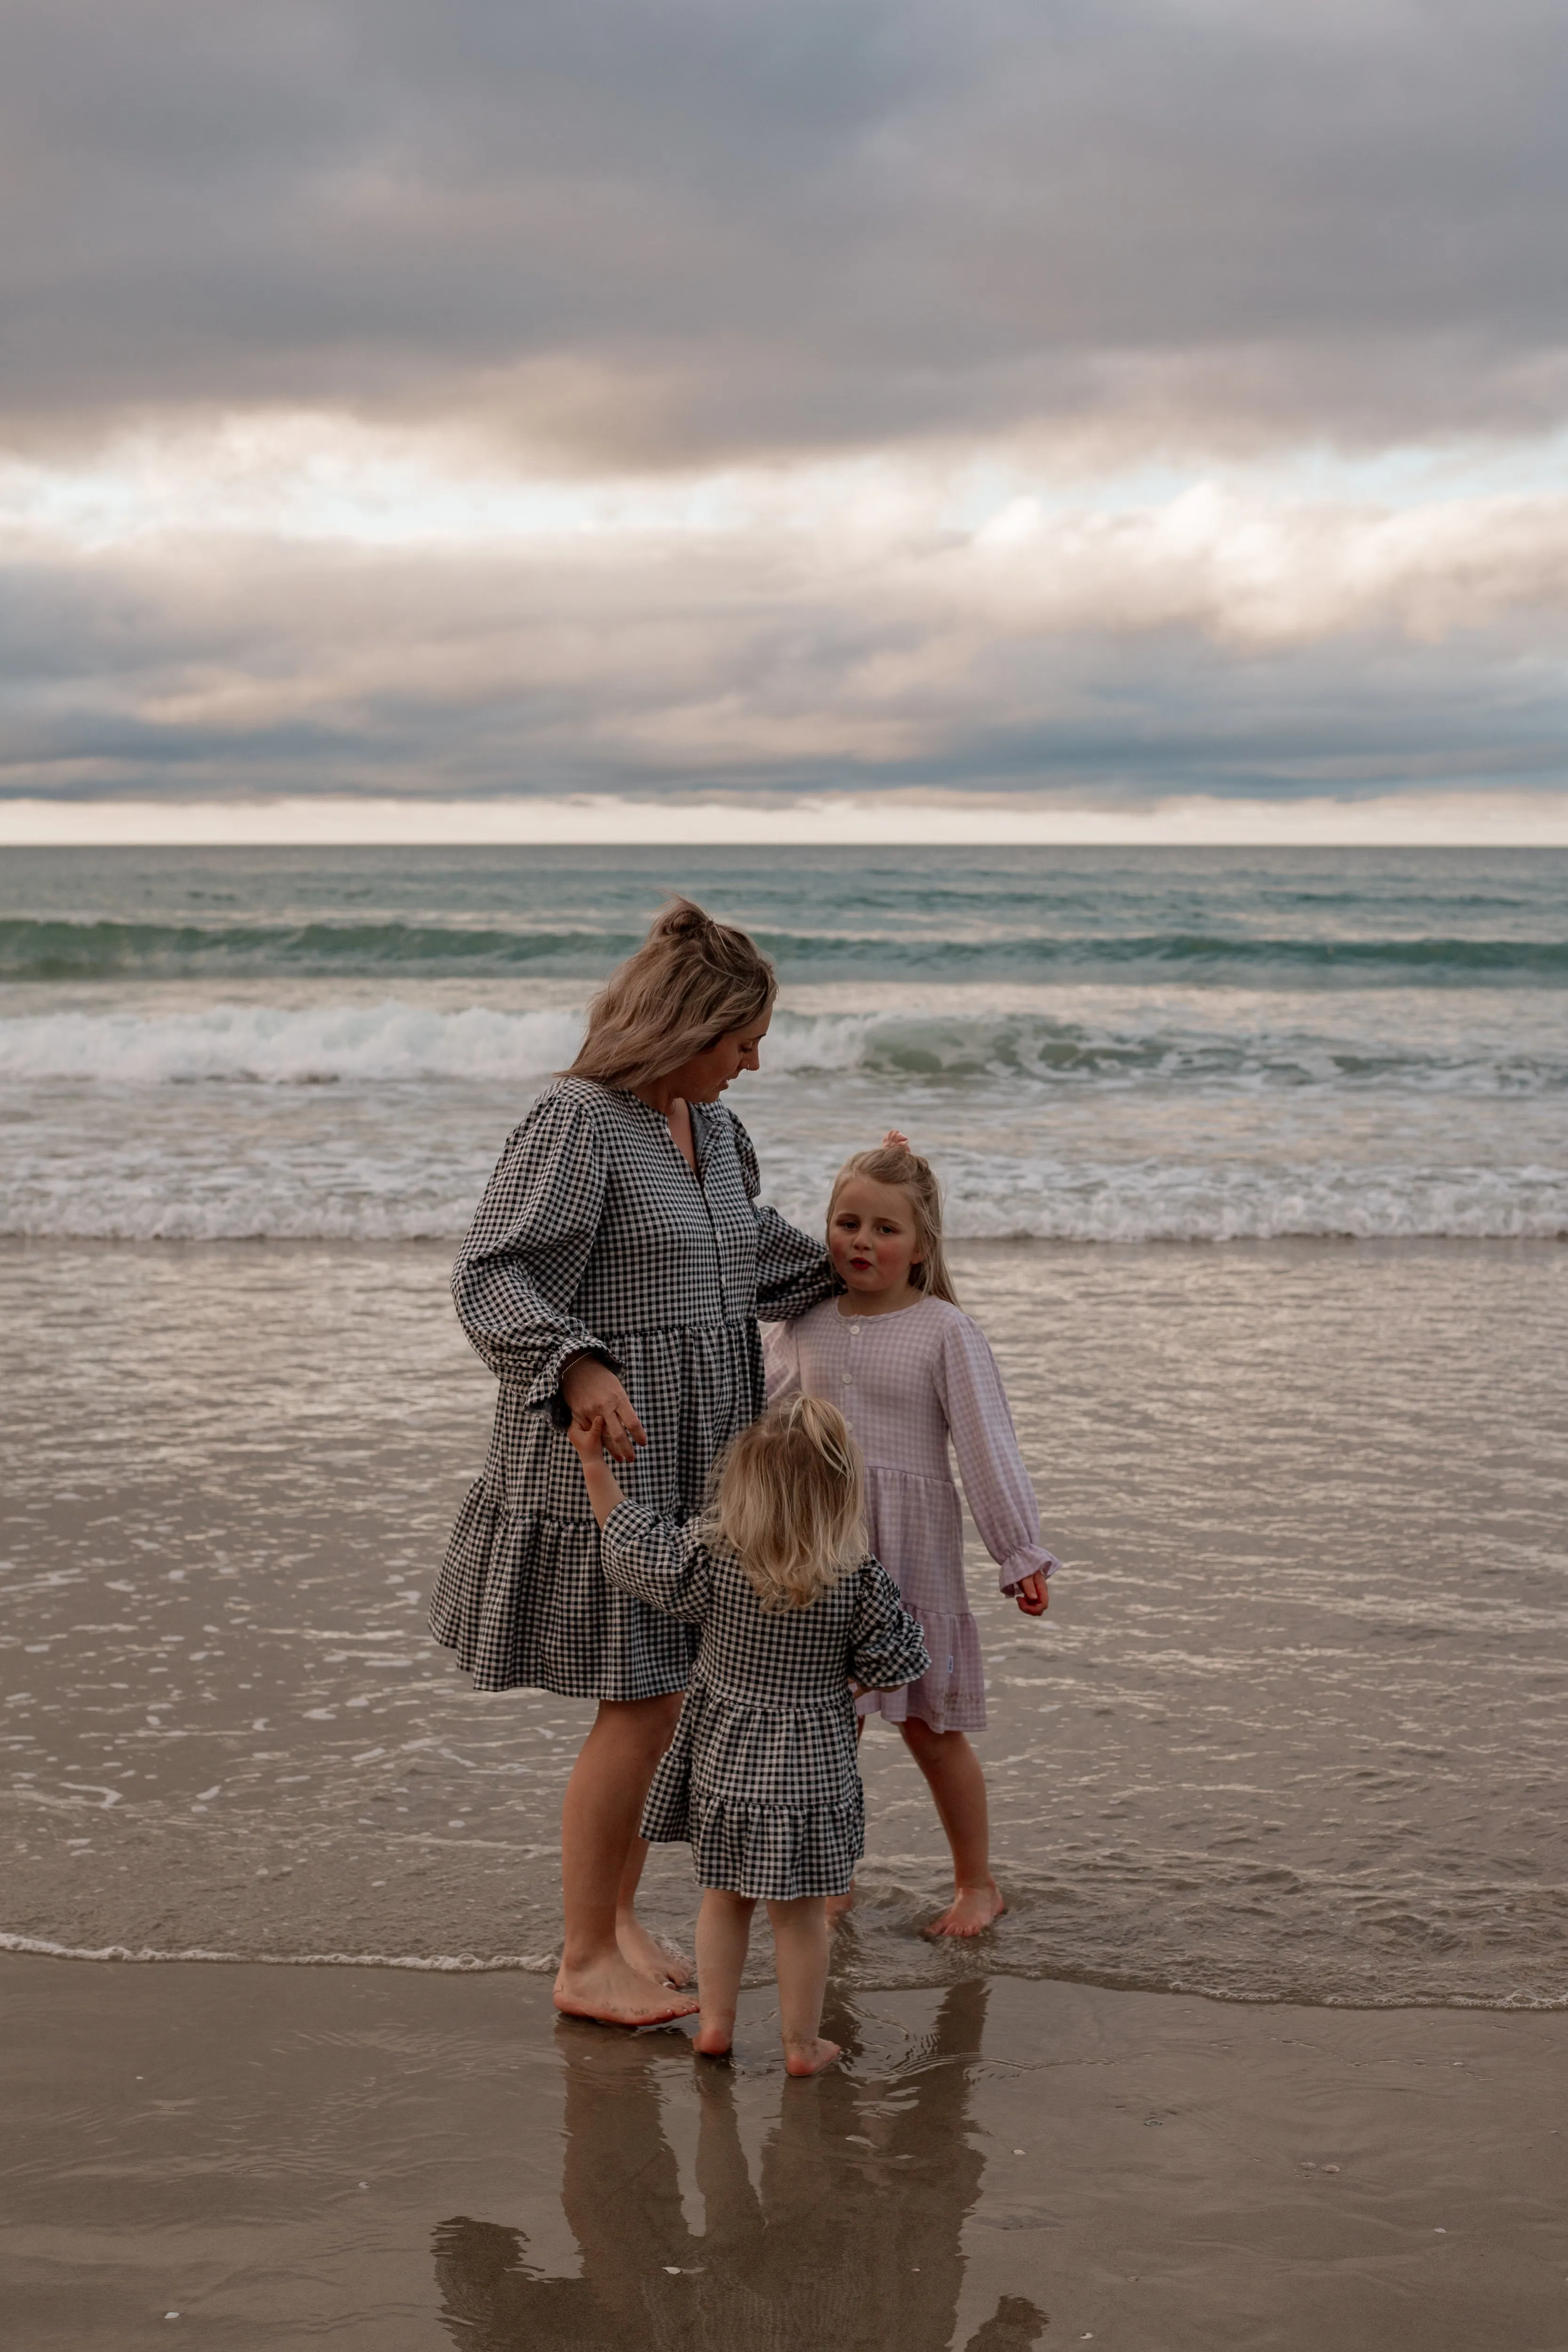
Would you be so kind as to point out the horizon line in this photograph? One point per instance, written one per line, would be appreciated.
(300, 820)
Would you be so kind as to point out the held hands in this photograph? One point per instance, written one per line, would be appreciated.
(590, 1440)
(592, 1394)
(1033, 1595)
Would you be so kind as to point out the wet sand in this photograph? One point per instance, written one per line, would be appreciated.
(381, 2160)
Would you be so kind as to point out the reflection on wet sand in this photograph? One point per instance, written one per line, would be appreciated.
(854, 2239)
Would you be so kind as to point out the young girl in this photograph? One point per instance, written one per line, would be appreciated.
(909, 1372)
(761, 1775)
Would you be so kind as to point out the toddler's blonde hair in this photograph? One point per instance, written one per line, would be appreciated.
(690, 982)
(895, 1164)
(789, 1503)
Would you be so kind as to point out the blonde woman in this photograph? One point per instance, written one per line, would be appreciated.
(761, 1777)
(614, 1273)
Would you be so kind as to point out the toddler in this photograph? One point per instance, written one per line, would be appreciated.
(761, 1777)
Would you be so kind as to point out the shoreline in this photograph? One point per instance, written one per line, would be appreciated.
(403, 2164)
(527, 1964)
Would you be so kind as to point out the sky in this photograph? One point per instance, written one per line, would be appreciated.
(1142, 412)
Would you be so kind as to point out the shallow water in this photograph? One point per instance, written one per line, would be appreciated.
(1292, 1729)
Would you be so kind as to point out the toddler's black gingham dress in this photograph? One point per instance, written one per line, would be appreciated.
(595, 1234)
(761, 1776)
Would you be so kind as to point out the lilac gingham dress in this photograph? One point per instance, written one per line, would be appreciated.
(761, 1775)
(906, 1383)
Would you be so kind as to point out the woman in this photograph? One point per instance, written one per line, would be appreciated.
(617, 1267)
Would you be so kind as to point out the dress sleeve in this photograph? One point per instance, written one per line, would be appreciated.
(995, 1482)
(781, 1361)
(885, 1646)
(792, 1271)
(659, 1560)
(518, 1271)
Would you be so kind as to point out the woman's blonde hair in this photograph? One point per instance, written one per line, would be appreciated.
(690, 982)
(789, 1503)
(895, 1164)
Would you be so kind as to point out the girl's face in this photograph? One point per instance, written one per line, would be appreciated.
(871, 1236)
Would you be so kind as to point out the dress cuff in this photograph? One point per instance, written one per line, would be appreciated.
(625, 1524)
(1029, 1559)
(543, 1394)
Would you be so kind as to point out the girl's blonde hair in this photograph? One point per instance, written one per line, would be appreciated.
(789, 1503)
(895, 1164)
(690, 982)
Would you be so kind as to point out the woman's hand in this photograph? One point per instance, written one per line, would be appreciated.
(1033, 1595)
(592, 1394)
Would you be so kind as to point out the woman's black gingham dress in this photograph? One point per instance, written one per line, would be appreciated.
(761, 1776)
(595, 1234)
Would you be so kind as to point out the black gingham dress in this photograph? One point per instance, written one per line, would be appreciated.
(761, 1776)
(595, 1234)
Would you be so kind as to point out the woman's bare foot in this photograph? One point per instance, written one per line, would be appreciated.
(839, 1907)
(803, 2058)
(652, 1956)
(714, 2041)
(971, 1912)
(613, 1992)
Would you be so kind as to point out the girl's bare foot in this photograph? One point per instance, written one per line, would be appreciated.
(652, 1956)
(839, 1907)
(714, 2041)
(612, 1992)
(971, 1912)
(803, 2058)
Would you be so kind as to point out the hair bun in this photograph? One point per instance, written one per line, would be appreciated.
(683, 918)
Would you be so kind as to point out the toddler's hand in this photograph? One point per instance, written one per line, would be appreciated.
(588, 1437)
(895, 1139)
(1033, 1595)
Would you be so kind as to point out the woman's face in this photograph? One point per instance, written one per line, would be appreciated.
(704, 1078)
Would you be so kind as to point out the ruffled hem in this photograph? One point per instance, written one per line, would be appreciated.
(951, 1695)
(775, 1853)
(524, 1602)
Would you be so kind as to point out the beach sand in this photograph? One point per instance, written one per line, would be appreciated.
(382, 2159)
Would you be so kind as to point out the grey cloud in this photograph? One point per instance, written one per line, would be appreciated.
(718, 226)
(386, 674)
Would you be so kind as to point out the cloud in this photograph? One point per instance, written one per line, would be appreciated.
(720, 229)
(1088, 400)
(839, 627)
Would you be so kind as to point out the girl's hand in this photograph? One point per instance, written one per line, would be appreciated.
(589, 1439)
(594, 1394)
(603, 1494)
(895, 1139)
(1033, 1595)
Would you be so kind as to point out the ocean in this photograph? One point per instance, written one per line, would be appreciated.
(1099, 1045)
(1257, 1166)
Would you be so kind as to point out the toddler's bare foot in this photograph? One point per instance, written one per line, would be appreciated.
(614, 1993)
(838, 1906)
(714, 2041)
(971, 1912)
(652, 1956)
(810, 2057)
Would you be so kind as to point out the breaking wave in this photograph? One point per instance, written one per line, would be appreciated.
(395, 1041)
